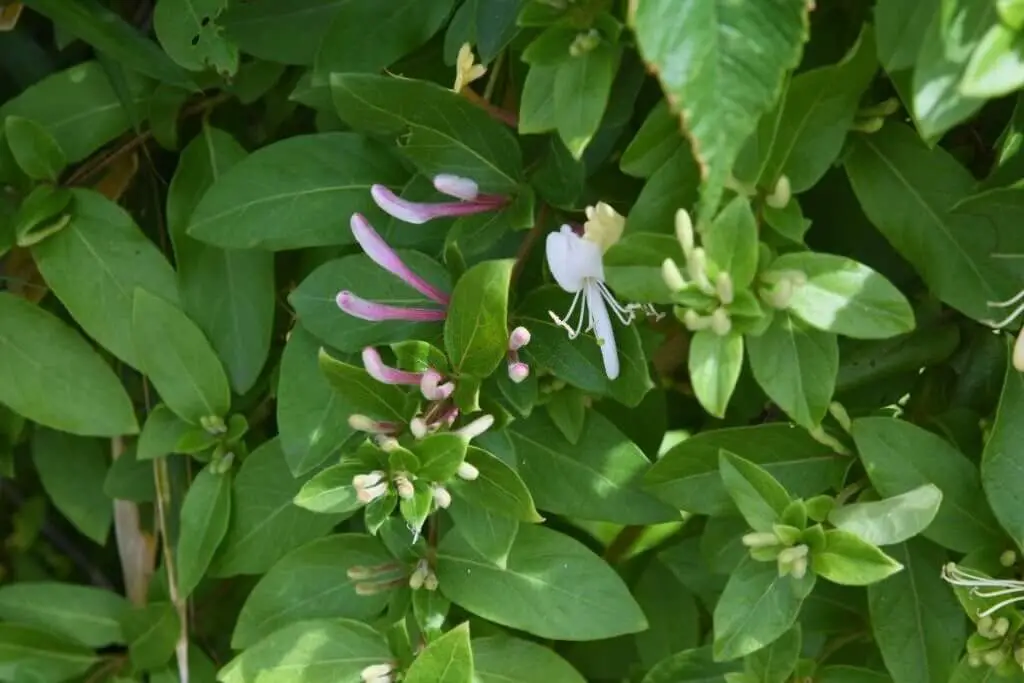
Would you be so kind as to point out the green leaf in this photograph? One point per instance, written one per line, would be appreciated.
(498, 488)
(845, 297)
(290, 33)
(552, 587)
(715, 364)
(731, 242)
(291, 193)
(899, 457)
(567, 409)
(152, 632)
(313, 582)
(691, 666)
(35, 150)
(775, 663)
(176, 357)
(758, 496)
(908, 192)
(39, 655)
(72, 470)
(757, 607)
(939, 103)
(369, 35)
(102, 28)
(86, 614)
(917, 622)
(78, 107)
(1002, 459)
(476, 329)
(597, 478)
(330, 490)
(441, 132)
(804, 135)
(842, 673)
(739, 54)
(581, 89)
(578, 361)
(848, 560)
(265, 524)
(448, 659)
(488, 533)
(495, 26)
(901, 26)
(672, 612)
(229, 293)
(996, 65)
(890, 521)
(314, 651)
(311, 416)
(797, 367)
(502, 659)
(190, 33)
(439, 455)
(161, 434)
(204, 521)
(632, 267)
(94, 266)
(130, 478)
(655, 143)
(537, 102)
(314, 301)
(687, 476)
(362, 394)
(52, 376)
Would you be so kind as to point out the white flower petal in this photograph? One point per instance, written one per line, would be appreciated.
(572, 258)
(603, 330)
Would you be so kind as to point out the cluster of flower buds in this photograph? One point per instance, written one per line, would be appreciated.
(423, 577)
(517, 369)
(765, 546)
(871, 119)
(374, 580)
(721, 290)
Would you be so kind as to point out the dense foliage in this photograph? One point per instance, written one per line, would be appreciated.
(511, 341)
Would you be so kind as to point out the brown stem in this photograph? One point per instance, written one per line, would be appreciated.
(623, 543)
(506, 117)
(527, 246)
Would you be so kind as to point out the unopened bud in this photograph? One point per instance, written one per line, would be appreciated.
(519, 338)
(994, 657)
(369, 588)
(694, 321)
(697, 265)
(360, 573)
(419, 575)
(362, 481)
(467, 471)
(779, 295)
(985, 626)
(418, 427)
(672, 276)
(585, 42)
(720, 322)
(1018, 655)
(362, 423)
(378, 673)
(430, 583)
(442, 498)
(476, 427)
(405, 488)
(518, 371)
(799, 568)
(371, 493)
(792, 554)
(388, 444)
(760, 539)
(1018, 352)
(456, 186)
(684, 232)
(1001, 627)
(213, 424)
(724, 289)
(781, 195)
(871, 125)
(974, 660)
(1008, 558)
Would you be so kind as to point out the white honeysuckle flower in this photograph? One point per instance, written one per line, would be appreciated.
(575, 263)
(466, 68)
(983, 586)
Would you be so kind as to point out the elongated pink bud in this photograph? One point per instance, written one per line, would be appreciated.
(384, 374)
(375, 312)
(456, 186)
(384, 256)
(419, 213)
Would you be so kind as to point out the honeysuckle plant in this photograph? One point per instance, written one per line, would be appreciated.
(463, 341)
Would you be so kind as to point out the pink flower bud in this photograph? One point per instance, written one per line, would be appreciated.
(374, 312)
(518, 371)
(431, 387)
(519, 338)
(384, 374)
(456, 186)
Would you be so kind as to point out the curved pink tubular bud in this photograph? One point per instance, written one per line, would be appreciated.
(385, 374)
(456, 186)
(374, 312)
(384, 256)
(431, 387)
(418, 213)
